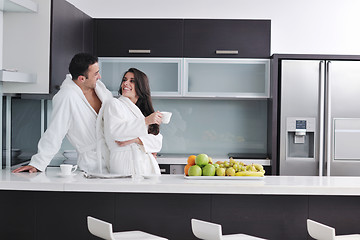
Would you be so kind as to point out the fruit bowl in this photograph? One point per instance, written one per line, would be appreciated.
(223, 178)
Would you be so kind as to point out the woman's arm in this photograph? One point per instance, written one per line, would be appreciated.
(120, 127)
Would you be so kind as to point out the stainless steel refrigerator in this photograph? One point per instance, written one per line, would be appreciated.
(319, 117)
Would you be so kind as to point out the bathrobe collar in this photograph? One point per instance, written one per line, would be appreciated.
(69, 83)
(133, 108)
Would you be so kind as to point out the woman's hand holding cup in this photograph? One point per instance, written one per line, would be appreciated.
(154, 118)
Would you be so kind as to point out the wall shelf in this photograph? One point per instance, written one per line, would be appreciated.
(20, 77)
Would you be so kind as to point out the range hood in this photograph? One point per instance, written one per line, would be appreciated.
(18, 6)
(14, 76)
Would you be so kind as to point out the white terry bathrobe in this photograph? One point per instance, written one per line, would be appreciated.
(123, 121)
(73, 116)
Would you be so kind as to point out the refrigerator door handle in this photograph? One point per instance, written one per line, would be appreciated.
(321, 115)
(328, 124)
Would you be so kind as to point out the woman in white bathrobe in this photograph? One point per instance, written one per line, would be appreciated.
(131, 128)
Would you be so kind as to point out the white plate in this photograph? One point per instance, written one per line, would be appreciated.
(64, 176)
(154, 176)
(223, 178)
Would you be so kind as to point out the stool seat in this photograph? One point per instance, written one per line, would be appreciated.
(239, 236)
(321, 231)
(212, 231)
(104, 230)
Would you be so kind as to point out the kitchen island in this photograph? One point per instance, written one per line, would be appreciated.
(48, 206)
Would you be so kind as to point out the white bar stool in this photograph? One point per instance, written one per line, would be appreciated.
(320, 231)
(104, 230)
(212, 231)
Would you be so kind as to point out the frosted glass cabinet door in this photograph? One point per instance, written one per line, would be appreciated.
(164, 73)
(227, 77)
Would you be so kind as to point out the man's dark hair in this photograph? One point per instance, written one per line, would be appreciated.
(80, 63)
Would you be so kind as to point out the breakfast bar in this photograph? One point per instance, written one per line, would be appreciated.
(49, 206)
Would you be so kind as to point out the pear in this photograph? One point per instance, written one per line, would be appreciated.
(220, 172)
(230, 171)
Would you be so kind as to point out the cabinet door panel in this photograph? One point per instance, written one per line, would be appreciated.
(250, 38)
(227, 77)
(18, 216)
(71, 29)
(261, 216)
(161, 38)
(339, 212)
(165, 215)
(164, 74)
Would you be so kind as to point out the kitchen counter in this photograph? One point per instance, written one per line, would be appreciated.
(164, 206)
(269, 185)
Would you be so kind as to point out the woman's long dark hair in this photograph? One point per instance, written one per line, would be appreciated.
(142, 89)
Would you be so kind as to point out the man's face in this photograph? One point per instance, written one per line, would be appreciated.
(92, 76)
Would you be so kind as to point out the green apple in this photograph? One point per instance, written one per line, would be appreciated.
(201, 160)
(195, 170)
(209, 170)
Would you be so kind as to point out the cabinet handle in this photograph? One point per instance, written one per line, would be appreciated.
(226, 52)
(140, 51)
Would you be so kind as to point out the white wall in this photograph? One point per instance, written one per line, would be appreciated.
(306, 26)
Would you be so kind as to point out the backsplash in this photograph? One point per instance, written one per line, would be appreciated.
(216, 127)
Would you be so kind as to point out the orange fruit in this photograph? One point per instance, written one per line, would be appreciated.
(186, 169)
(191, 160)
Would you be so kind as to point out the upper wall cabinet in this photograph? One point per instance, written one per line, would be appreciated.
(139, 37)
(43, 43)
(227, 38)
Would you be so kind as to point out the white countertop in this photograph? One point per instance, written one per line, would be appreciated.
(269, 185)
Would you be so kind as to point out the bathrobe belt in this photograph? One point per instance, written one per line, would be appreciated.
(130, 147)
(87, 148)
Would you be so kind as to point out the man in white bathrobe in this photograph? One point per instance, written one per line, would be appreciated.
(75, 112)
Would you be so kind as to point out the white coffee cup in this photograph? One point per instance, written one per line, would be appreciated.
(67, 169)
(166, 117)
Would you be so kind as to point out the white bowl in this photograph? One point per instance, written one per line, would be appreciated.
(70, 154)
(151, 176)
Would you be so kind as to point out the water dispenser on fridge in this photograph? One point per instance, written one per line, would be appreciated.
(300, 138)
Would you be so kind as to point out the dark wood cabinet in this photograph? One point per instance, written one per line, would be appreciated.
(18, 215)
(205, 38)
(263, 216)
(138, 37)
(71, 33)
(339, 212)
(227, 38)
(62, 215)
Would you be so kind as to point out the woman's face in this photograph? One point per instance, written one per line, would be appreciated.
(128, 87)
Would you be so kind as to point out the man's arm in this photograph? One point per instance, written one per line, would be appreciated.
(51, 140)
